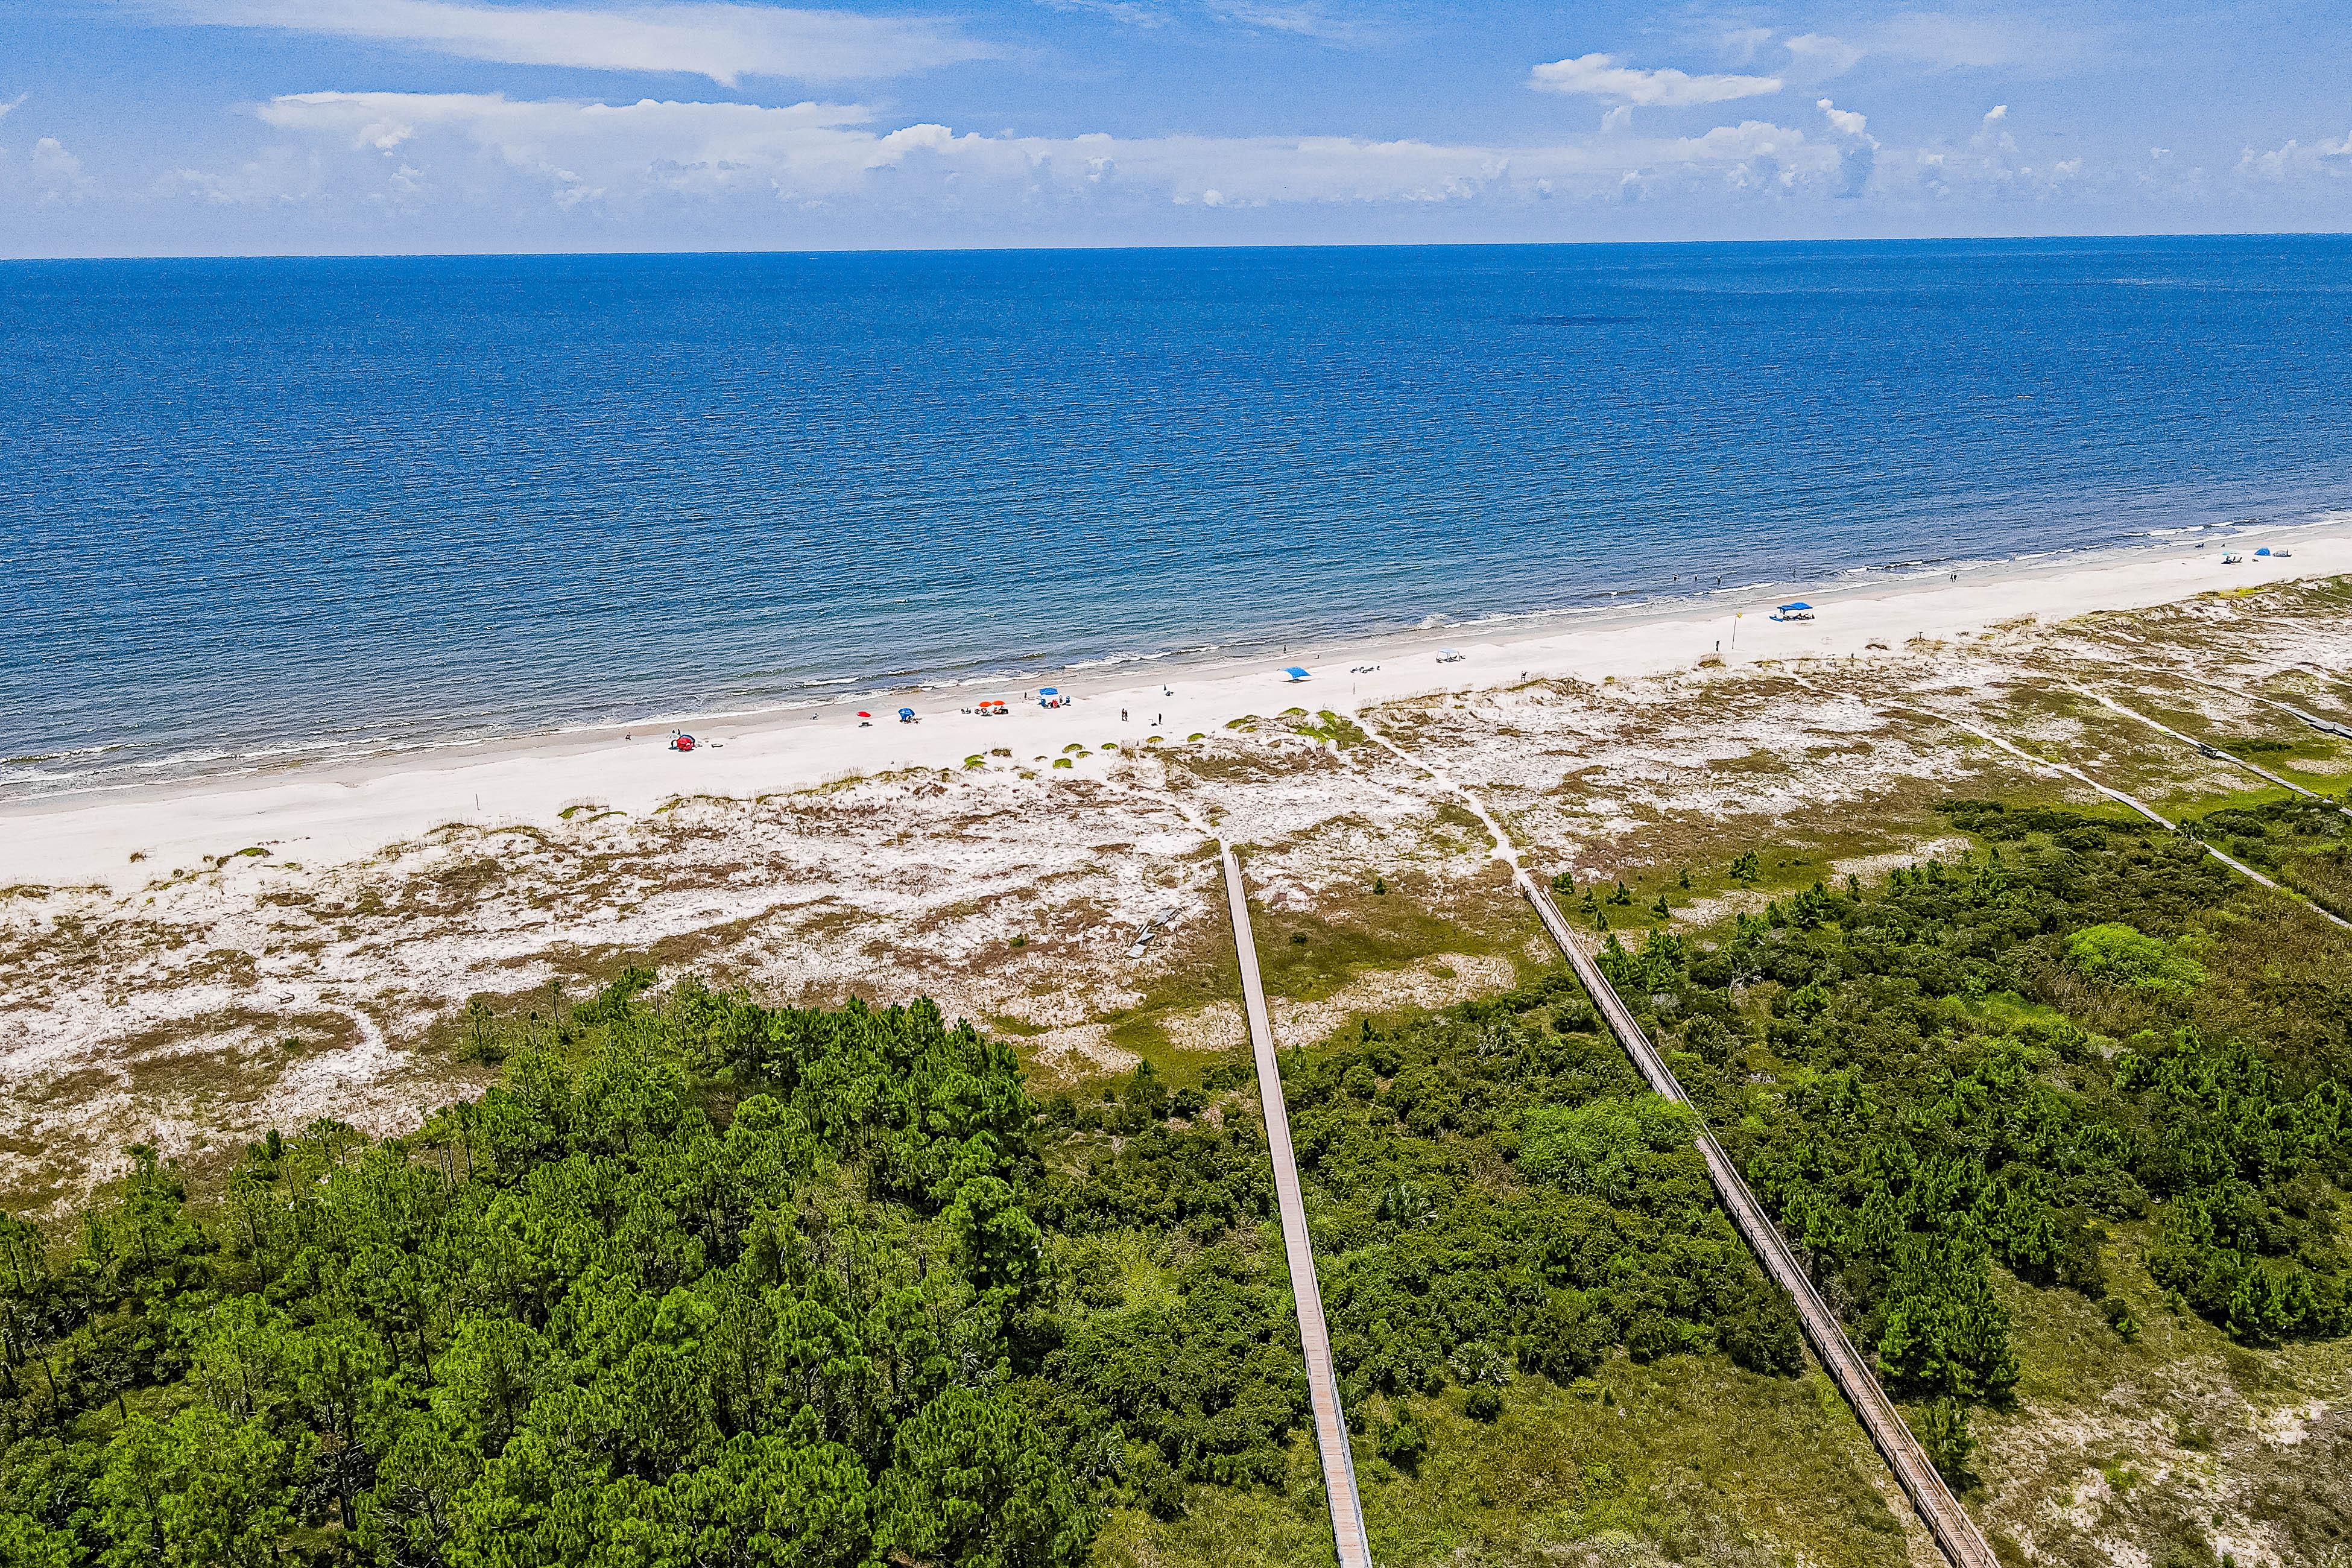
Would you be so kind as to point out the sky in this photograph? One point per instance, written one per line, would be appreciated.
(242, 126)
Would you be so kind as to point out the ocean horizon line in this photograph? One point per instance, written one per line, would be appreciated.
(1180, 246)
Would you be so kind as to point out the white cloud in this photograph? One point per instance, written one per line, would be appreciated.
(57, 173)
(714, 38)
(1992, 136)
(10, 104)
(1616, 120)
(618, 155)
(1604, 76)
(1989, 166)
(2296, 160)
(1817, 55)
(1845, 121)
(1859, 156)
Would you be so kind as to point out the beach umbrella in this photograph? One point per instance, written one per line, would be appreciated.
(1295, 673)
(1800, 604)
(2265, 550)
(1049, 691)
(905, 713)
(1451, 652)
(862, 713)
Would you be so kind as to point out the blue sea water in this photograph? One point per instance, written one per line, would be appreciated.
(256, 511)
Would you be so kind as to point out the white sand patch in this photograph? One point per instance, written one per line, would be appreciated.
(1218, 1027)
(1083, 1049)
(1869, 866)
(1434, 982)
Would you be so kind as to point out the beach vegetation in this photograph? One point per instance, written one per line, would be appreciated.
(1327, 725)
(697, 1273)
(2116, 954)
(1986, 1069)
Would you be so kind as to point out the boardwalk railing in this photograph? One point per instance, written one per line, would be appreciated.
(1314, 1337)
(1955, 1533)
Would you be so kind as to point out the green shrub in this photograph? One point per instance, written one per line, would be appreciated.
(2118, 955)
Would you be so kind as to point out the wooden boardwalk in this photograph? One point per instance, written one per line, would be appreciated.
(2044, 764)
(1314, 1337)
(1955, 1533)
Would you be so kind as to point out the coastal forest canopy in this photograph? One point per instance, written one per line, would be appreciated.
(701, 1282)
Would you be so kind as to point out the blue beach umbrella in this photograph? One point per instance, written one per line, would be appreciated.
(2265, 550)
(1295, 673)
(905, 713)
(1049, 691)
(1800, 604)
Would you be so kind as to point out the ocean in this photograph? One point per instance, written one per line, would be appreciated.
(262, 513)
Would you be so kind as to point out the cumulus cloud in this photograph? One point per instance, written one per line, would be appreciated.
(1859, 156)
(2299, 160)
(714, 38)
(613, 155)
(1991, 135)
(1845, 122)
(57, 173)
(1989, 165)
(1606, 76)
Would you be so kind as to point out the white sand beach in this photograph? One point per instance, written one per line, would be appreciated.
(335, 815)
(305, 944)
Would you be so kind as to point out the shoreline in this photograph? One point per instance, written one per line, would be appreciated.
(346, 811)
(273, 759)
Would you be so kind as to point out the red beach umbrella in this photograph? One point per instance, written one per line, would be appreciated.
(862, 713)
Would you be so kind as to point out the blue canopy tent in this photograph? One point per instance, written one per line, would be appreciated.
(1295, 673)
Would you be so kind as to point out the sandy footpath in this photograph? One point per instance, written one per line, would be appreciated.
(331, 818)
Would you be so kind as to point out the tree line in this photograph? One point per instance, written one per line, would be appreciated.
(1997, 1063)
